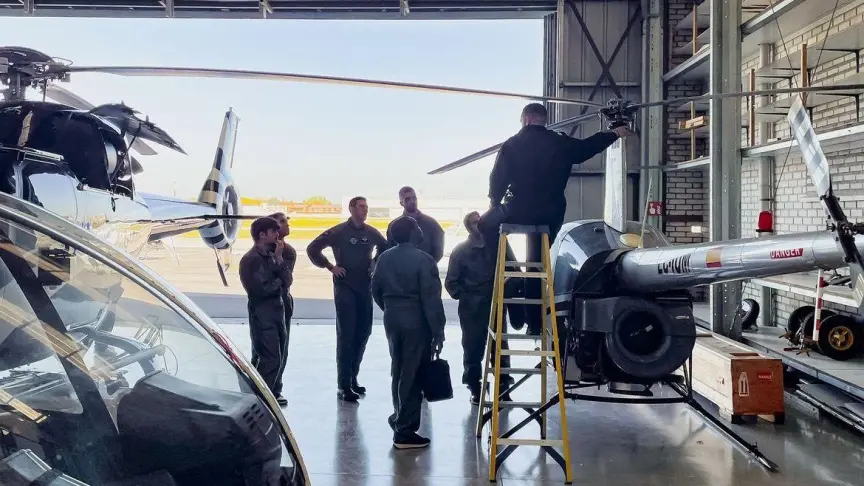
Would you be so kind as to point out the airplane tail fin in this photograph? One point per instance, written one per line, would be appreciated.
(219, 190)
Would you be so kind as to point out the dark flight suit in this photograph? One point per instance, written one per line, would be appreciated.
(289, 258)
(264, 281)
(432, 240)
(406, 286)
(530, 174)
(352, 249)
(471, 280)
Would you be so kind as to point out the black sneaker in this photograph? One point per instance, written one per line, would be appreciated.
(412, 441)
(347, 395)
(282, 401)
(360, 390)
(474, 388)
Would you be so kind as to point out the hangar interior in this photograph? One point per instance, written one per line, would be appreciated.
(715, 165)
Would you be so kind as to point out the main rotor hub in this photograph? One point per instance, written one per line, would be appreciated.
(619, 113)
(22, 68)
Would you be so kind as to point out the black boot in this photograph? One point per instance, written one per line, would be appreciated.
(347, 395)
(360, 390)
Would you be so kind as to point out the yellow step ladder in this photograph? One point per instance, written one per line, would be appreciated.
(537, 410)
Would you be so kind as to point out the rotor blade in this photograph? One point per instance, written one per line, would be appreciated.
(854, 88)
(64, 96)
(495, 148)
(811, 150)
(308, 78)
(817, 166)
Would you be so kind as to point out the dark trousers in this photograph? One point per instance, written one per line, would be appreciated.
(288, 303)
(353, 328)
(410, 344)
(268, 333)
(554, 219)
(474, 313)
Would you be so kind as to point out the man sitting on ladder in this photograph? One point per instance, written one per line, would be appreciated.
(528, 181)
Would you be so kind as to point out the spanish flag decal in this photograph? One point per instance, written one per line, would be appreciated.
(712, 259)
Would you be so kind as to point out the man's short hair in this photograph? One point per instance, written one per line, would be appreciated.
(262, 225)
(535, 110)
(278, 215)
(402, 228)
(354, 200)
(405, 190)
(467, 217)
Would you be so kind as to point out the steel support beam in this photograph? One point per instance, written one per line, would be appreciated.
(725, 150)
(652, 124)
(765, 167)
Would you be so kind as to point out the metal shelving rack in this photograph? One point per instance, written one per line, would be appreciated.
(761, 28)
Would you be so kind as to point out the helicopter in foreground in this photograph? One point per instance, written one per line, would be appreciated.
(179, 405)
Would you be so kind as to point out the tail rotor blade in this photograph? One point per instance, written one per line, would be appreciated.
(817, 167)
(495, 148)
(811, 150)
(308, 78)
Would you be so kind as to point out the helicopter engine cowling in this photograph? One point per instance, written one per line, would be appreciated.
(614, 336)
(220, 191)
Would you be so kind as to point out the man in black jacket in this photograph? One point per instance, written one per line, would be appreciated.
(264, 274)
(352, 243)
(528, 182)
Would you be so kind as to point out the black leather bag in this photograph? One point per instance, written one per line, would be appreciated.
(435, 378)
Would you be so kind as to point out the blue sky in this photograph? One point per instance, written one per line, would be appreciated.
(351, 140)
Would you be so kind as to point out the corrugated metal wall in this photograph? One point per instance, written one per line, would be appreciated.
(604, 24)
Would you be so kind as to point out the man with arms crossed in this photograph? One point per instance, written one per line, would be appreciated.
(431, 240)
(352, 243)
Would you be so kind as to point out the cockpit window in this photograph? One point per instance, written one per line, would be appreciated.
(103, 383)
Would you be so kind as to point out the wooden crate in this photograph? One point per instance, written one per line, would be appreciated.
(738, 380)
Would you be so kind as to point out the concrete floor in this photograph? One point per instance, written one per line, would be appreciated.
(350, 444)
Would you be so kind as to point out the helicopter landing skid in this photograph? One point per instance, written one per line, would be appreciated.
(682, 385)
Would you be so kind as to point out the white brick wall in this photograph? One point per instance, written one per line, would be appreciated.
(796, 208)
(686, 190)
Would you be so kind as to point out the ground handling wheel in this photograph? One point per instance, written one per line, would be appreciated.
(840, 337)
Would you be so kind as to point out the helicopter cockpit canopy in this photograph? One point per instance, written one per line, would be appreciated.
(108, 376)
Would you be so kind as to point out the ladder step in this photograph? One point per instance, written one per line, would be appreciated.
(526, 274)
(531, 442)
(524, 264)
(524, 301)
(525, 352)
(504, 404)
(515, 337)
(517, 371)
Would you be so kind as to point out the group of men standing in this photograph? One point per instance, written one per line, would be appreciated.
(527, 186)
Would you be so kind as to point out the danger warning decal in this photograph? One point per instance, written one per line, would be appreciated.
(789, 253)
(676, 265)
(712, 258)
